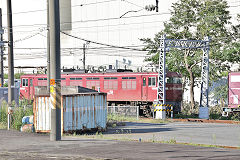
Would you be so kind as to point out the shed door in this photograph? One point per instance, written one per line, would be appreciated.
(144, 88)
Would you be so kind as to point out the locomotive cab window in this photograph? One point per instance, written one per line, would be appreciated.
(177, 80)
(144, 81)
(31, 82)
(151, 81)
(24, 82)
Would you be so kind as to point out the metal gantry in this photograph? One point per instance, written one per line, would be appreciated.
(183, 44)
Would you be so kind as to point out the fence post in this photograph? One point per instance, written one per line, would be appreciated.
(171, 111)
(137, 112)
(9, 118)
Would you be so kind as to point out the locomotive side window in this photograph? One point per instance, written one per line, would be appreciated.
(76, 81)
(92, 83)
(42, 82)
(109, 83)
(77, 78)
(92, 78)
(24, 82)
(151, 81)
(129, 83)
(108, 78)
(128, 77)
(63, 81)
(42, 79)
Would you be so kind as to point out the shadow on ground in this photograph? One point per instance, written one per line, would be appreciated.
(132, 127)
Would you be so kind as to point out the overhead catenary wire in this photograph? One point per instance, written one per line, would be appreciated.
(30, 36)
(101, 2)
(116, 18)
(103, 44)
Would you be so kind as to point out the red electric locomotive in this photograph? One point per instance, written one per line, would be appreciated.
(133, 88)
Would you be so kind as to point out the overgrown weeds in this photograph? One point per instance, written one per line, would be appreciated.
(215, 112)
(16, 116)
(115, 120)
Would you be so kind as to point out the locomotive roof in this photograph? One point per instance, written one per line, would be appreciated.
(107, 74)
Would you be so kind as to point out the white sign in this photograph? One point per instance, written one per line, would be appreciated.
(235, 78)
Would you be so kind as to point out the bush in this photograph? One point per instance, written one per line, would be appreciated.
(215, 112)
(16, 116)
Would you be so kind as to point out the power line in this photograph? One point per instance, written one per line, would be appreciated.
(30, 36)
(80, 5)
(115, 18)
(103, 44)
(94, 3)
(79, 48)
(133, 4)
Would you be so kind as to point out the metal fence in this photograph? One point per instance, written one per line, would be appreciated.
(130, 111)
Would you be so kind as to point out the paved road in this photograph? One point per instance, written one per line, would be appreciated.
(16, 145)
(198, 133)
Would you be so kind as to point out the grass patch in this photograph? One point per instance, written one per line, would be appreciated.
(16, 116)
(114, 120)
(3, 125)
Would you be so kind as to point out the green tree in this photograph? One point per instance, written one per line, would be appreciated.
(195, 19)
(16, 75)
(232, 51)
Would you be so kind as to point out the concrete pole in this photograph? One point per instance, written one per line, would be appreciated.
(10, 53)
(48, 50)
(1, 57)
(55, 73)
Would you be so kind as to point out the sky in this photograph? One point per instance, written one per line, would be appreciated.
(95, 20)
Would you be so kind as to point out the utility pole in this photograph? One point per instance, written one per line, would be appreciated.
(1, 57)
(55, 73)
(84, 56)
(48, 50)
(10, 53)
(156, 5)
(10, 60)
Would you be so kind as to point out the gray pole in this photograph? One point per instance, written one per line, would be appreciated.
(84, 56)
(55, 74)
(156, 5)
(1, 57)
(10, 53)
(48, 50)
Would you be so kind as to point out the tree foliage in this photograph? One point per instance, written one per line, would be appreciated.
(195, 20)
